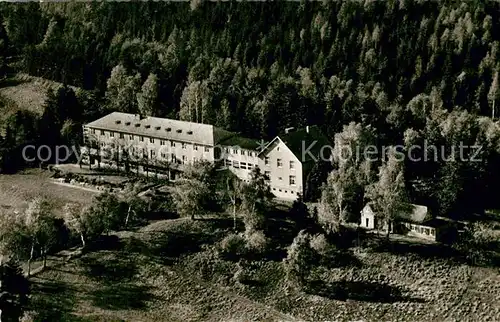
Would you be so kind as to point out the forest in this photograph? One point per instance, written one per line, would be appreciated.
(368, 72)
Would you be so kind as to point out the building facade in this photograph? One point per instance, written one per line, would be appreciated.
(165, 146)
(416, 222)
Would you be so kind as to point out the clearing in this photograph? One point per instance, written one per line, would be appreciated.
(17, 189)
(24, 92)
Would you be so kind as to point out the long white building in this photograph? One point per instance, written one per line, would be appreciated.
(164, 146)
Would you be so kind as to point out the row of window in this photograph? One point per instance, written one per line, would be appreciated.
(286, 191)
(152, 154)
(242, 152)
(279, 163)
(239, 165)
(291, 179)
(151, 140)
(423, 230)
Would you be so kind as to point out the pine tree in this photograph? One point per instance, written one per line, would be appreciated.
(14, 291)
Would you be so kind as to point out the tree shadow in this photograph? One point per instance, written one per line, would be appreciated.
(7, 82)
(122, 296)
(280, 229)
(428, 251)
(220, 223)
(159, 215)
(113, 270)
(52, 301)
(173, 244)
(340, 258)
(105, 242)
(359, 291)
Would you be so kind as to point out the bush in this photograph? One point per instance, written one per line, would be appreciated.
(257, 242)
(233, 246)
(298, 259)
(320, 245)
(240, 275)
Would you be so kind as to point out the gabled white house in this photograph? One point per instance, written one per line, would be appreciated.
(417, 222)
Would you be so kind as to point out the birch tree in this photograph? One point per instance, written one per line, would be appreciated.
(134, 203)
(195, 190)
(388, 193)
(83, 221)
(195, 102)
(38, 227)
(234, 191)
(336, 192)
(493, 93)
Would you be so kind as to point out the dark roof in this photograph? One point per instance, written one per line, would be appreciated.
(301, 141)
(239, 141)
(306, 144)
(436, 222)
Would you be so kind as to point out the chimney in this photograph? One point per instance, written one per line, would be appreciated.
(307, 128)
(289, 129)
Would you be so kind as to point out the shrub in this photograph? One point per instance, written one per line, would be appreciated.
(257, 242)
(320, 245)
(240, 275)
(233, 246)
(298, 259)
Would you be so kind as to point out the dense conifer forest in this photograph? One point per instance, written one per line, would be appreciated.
(404, 72)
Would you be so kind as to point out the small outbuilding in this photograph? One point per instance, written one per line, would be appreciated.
(416, 221)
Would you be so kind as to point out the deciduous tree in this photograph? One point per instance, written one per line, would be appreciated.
(388, 194)
(147, 98)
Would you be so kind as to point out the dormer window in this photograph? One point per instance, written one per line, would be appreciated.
(118, 121)
(168, 129)
(189, 132)
(148, 126)
(158, 127)
(179, 131)
(137, 124)
(127, 123)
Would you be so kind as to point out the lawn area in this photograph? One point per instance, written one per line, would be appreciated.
(24, 92)
(17, 189)
(169, 270)
(131, 278)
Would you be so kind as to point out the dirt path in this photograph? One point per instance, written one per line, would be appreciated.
(76, 186)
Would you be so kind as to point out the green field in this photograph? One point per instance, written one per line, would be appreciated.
(16, 190)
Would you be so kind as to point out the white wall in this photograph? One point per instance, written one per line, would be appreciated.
(282, 188)
(367, 215)
(239, 155)
(420, 231)
(192, 152)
